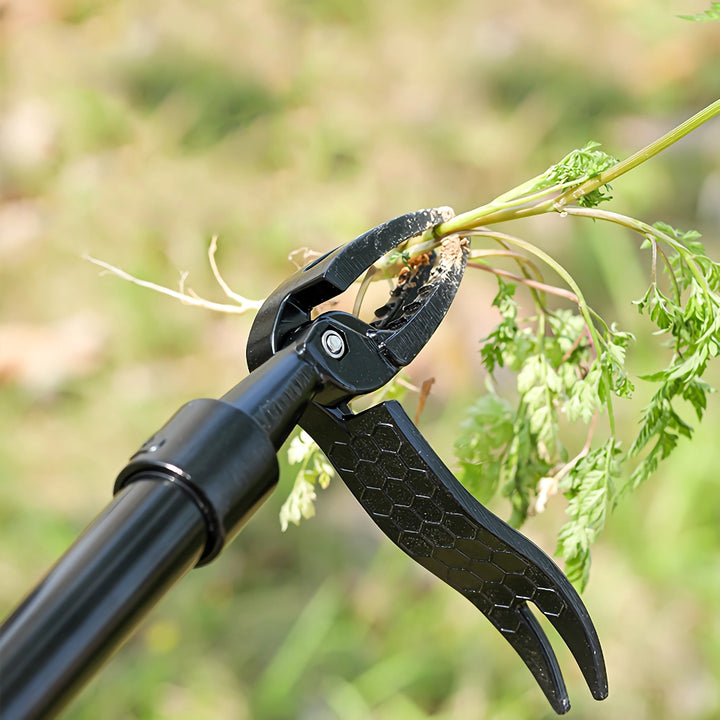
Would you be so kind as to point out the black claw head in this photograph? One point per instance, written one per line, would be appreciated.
(290, 306)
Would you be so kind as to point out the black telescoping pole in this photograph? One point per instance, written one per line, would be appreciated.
(181, 498)
(146, 539)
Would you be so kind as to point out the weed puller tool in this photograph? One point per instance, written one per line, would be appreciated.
(192, 486)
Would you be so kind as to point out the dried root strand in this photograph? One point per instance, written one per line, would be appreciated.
(189, 297)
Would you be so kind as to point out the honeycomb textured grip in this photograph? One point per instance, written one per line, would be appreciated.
(419, 504)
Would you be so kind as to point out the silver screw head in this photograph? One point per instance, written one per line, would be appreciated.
(333, 343)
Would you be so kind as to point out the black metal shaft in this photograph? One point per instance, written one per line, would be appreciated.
(145, 540)
(183, 496)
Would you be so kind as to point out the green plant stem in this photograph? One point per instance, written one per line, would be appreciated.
(503, 238)
(537, 285)
(517, 203)
(520, 259)
(646, 230)
(506, 207)
(522, 262)
(514, 199)
(669, 268)
(364, 285)
(641, 156)
(562, 272)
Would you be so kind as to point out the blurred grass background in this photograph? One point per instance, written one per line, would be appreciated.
(135, 131)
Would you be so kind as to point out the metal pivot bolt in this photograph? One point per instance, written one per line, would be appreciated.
(333, 343)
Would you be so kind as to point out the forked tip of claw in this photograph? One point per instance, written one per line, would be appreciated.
(600, 691)
(562, 706)
(598, 688)
(595, 671)
(556, 693)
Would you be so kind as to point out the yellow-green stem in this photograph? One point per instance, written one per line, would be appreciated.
(502, 209)
(642, 155)
(647, 230)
